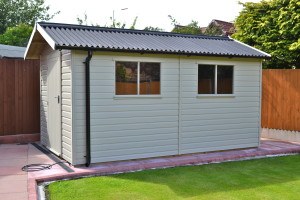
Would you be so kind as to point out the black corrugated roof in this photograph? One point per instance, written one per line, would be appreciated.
(68, 36)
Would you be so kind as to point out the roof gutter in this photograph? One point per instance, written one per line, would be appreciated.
(162, 52)
(87, 108)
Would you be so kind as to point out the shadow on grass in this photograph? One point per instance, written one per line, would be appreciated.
(193, 181)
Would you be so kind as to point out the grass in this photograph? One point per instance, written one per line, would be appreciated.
(268, 178)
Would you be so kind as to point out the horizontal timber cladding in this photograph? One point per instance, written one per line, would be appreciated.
(175, 122)
(126, 128)
(219, 123)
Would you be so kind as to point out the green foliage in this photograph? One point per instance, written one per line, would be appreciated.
(121, 73)
(17, 36)
(272, 26)
(151, 28)
(213, 30)
(118, 24)
(15, 12)
(17, 17)
(81, 21)
(191, 28)
(114, 23)
(133, 23)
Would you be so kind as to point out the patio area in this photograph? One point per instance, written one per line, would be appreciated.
(17, 184)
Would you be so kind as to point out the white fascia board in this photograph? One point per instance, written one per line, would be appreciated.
(29, 42)
(48, 39)
(269, 55)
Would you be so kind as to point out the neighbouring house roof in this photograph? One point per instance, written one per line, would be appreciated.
(7, 51)
(226, 27)
(68, 36)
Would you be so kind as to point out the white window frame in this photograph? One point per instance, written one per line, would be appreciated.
(138, 95)
(216, 81)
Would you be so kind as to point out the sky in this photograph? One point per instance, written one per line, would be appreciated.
(150, 13)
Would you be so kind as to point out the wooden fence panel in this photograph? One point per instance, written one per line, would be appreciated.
(281, 99)
(2, 99)
(19, 97)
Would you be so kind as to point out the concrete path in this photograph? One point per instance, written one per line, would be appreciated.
(13, 181)
(16, 184)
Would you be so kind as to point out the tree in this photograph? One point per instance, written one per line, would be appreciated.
(17, 36)
(15, 12)
(191, 28)
(272, 26)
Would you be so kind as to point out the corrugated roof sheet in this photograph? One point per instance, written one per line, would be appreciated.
(67, 36)
(7, 51)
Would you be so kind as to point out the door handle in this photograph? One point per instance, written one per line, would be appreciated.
(57, 98)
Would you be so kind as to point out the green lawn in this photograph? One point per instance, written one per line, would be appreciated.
(268, 178)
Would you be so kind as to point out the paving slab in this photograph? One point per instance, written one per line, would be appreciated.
(14, 182)
(14, 196)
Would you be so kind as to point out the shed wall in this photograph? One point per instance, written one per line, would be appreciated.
(125, 128)
(210, 123)
(177, 122)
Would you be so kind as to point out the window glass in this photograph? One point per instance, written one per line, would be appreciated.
(149, 78)
(206, 79)
(225, 79)
(126, 78)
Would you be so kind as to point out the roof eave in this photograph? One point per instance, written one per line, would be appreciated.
(267, 56)
(157, 52)
(46, 36)
(29, 42)
(48, 39)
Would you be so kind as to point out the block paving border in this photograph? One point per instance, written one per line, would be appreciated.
(266, 148)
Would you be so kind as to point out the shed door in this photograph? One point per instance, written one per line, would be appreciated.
(54, 106)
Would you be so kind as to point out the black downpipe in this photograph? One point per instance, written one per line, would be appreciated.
(87, 108)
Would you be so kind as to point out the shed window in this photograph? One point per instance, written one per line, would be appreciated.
(215, 79)
(126, 78)
(137, 78)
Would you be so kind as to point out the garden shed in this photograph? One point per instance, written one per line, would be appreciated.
(116, 94)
